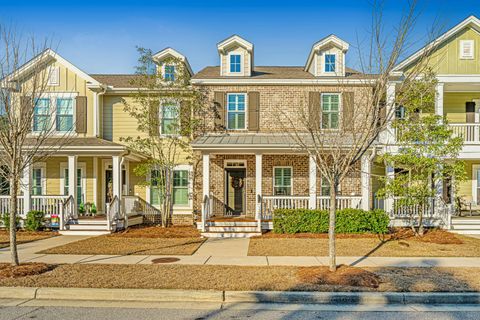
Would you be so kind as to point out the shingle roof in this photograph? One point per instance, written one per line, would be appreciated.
(77, 142)
(275, 72)
(117, 80)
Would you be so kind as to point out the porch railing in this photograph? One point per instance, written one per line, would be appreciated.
(68, 212)
(134, 205)
(48, 204)
(470, 132)
(400, 212)
(271, 203)
(113, 213)
(5, 205)
(206, 211)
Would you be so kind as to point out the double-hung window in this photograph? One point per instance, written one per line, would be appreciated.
(169, 73)
(79, 189)
(41, 114)
(156, 186)
(180, 187)
(235, 63)
(330, 62)
(282, 181)
(330, 111)
(37, 188)
(324, 187)
(170, 118)
(4, 181)
(64, 114)
(236, 111)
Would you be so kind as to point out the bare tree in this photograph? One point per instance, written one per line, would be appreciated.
(27, 123)
(338, 144)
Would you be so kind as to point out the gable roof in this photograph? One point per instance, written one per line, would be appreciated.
(472, 21)
(328, 40)
(170, 52)
(117, 80)
(46, 56)
(234, 39)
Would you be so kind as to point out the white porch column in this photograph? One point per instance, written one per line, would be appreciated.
(26, 189)
(116, 174)
(205, 186)
(72, 180)
(366, 174)
(312, 182)
(390, 173)
(439, 99)
(389, 135)
(258, 189)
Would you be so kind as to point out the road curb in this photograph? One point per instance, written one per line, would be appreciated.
(293, 297)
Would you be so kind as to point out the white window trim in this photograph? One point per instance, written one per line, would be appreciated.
(160, 118)
(188, 168)
(462, 57)
(475, 167)
(80, 165)
(246, 111)
(325, 63)
(53, 70)
(291, 184)
(163, 72)
(53, 96)
(244, 166)
(240, 73)
(43, 172)
(340, 109)
(226, 166)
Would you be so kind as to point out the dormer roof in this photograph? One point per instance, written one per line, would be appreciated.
(172, 53)
(232, 41)
(325, 42)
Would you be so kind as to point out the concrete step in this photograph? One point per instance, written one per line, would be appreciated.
(89, 222)
(465, 221)
(230, 234)
(232, 223)
(466, 226)
(88, 227)
(232, 229)
(466, 231)
(83, 232)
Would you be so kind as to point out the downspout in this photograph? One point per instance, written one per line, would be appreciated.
(97, 110)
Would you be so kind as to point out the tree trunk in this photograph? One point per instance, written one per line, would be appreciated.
(420, 221)
(13, 221)
(331, 228)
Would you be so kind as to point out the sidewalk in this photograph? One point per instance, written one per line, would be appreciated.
(225, 252)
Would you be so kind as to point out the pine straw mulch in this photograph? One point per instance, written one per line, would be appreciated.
(152, 240)
(401, 242)
(278, 278)
(23, 270)
(25, 236)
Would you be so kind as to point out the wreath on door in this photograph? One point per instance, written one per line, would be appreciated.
(237, 182)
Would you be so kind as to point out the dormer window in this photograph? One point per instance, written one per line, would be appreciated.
(235, 63)
(169, 73)
(330, 62)
(466, 49)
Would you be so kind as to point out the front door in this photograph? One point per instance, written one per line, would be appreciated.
(108, 186)
(235, 191)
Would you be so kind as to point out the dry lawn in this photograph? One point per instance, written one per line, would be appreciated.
(436, 243)
(140, 240)
(24, 237)
(206, 277)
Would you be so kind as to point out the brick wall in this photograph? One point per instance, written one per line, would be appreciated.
(279, 103)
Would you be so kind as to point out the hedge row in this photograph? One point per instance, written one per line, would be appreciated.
(316, 221)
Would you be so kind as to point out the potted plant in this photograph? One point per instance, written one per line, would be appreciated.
(81, 209)
(93, 209)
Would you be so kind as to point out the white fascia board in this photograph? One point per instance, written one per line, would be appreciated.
(470, 20)
(281, 81)
(161, 55)
(234, 39)
(322, 43)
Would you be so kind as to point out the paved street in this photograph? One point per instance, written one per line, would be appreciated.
(171, 311)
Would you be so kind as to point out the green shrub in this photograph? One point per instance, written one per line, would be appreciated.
(6, 221)
(34, 221)
(316, 221)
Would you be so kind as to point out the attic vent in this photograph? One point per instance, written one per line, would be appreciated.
(466, 49)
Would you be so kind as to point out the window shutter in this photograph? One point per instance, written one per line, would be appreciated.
(81, 114)
(154, 122)
(219, 110)
(185, 118)
(347, 111)
(314, 110)
(254, 111)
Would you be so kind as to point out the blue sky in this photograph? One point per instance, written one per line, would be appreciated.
(100, 36)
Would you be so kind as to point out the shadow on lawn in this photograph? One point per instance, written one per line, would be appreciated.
(394, 279)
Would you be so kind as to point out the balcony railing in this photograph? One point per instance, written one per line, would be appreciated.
(468, 131)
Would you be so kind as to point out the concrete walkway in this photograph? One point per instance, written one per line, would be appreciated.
(226, 251)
